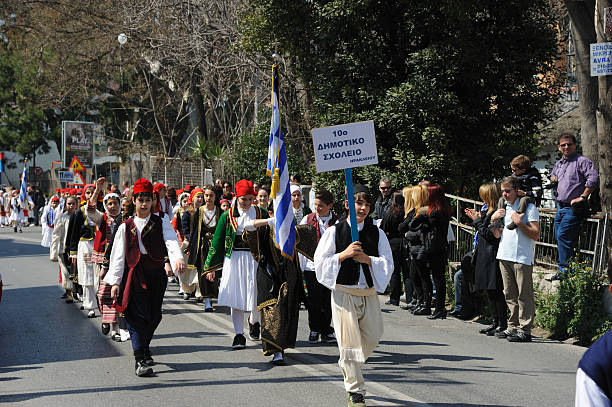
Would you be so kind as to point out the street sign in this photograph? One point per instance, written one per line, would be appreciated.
(345, 146)
(78, 179)
(66, 176)
(76, 165)
(601, 59)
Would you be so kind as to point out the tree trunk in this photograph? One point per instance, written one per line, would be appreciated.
(583, 30)
(198, 104)
(604, 119)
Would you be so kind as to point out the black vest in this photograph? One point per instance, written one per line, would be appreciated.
(349, 270)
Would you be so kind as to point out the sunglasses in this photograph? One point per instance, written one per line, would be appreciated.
(385, 188)
(566, 145)
(507, 191)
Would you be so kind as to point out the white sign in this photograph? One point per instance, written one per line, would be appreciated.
(601, 59)
(345, 146)
(78, 179)
(66, 176)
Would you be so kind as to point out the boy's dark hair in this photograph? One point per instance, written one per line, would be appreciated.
(522, 162)
(143, 194)
(565, 136)
(325, 196)
(365, 196)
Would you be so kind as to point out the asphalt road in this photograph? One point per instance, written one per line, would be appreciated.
(52, 355)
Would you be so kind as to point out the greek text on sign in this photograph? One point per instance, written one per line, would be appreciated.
(345, 146)
(601, 59)
(66, 176)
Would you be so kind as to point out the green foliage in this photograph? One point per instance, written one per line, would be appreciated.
(208, 150)
(452, 86)
(576, 309)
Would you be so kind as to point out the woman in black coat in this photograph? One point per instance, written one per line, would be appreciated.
(390, 225)
(487, 274)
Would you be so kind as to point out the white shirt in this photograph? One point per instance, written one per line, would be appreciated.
(305, 262)
(588, 392)
(327, 265)
(515, 245)
(117, 258)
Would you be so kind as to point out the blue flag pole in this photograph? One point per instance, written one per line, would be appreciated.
(350, 196)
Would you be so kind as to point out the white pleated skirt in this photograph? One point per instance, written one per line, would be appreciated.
(238, 288)
(87, 276)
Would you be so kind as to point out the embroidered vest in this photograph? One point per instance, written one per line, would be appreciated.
(349, 270)
(152, 239)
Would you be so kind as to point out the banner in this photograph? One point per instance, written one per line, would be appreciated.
(78, 140)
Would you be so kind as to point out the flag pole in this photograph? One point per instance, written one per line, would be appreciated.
(350, 197)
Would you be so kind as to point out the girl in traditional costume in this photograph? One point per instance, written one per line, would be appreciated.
(190, 282)
(50, 213)
(60, 247)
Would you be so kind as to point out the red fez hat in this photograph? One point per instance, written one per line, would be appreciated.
(57, 190)
(143, 185)
(54, 199)
(244, 187)
(193, 193)
(158, 187)
(74, 191)
(179, 191)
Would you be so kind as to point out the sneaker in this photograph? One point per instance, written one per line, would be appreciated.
(186, 296)
(505, 333)
(142, 370)
(105, 329)
(91, 314)
(356, 400)
(557, 277)
(148, 360)
(254, 331)
(125, 335)
(313, 337)
(239, 342)
(329, 338)
(519, 337)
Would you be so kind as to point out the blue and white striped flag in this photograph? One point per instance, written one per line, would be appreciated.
(277, 168)
(23, 190)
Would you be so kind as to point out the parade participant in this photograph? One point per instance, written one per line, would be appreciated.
(60, 247)
(141, 247)
(81, 249)
(190, 282)
(230, 254)
(3, 220)
(106, 224)
(319, 296)
(178, 214)
(17, 217)
(297, 205)
(227, 191)
(224, 204)
(355, 272)
(263, 198)
(202, 224)
(48, 220)
(164, 205)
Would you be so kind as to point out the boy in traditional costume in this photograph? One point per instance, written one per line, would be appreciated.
(82, 236)
(106, 224)
(47, 220)
(230, 254)
(137, 272)
(60, 247)
(355, 272)
(202, 224)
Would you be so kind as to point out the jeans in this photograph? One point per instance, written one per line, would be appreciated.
(458, 279)
(566, 230)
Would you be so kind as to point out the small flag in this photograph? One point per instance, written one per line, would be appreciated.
(23, 191)
(285, 234)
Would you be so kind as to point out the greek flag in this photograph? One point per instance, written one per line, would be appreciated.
(23, 191)
(285, 234)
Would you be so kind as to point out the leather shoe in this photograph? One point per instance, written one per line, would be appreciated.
(485, 331)
(392, 302)
(455, 313)
(438, 315)
(422, 311)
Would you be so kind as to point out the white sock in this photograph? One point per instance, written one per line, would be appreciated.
(207, 303)
(255, 316)
(278, 356)
(238, 320)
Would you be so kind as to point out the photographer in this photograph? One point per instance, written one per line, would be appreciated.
(576, 178)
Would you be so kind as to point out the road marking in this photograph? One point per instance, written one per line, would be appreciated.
(378, 394)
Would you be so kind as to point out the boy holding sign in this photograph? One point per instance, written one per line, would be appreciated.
(355, 271)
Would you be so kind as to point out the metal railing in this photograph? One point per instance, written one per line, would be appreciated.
(591, 244)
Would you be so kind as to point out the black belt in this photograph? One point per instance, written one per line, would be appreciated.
(564, 205)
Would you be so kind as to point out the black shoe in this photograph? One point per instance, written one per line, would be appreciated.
(254, 331)
(209, 309)
(412, 306)
(455, 313)
(392, 302)
(505, 333)
(148, 359)
(356, 400)
(313, 337)
(438, 315)
(15, 229)
(422, 311)
(278, 359)
(557, 277)
(485, 331)
(519, 337)
(142, 370)
(239, 342)
(329, 338)
(105, 329)
(199, 300)
(64, 296)
(497, 330)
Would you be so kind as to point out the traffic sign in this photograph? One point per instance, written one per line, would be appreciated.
(66, 176)
(78, 179)
(76, 165)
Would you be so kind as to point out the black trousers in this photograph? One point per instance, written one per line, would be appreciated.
(497, 302)
(425, 279)
(415, 279)
(400, 270)
(438, 264)
(318, 304)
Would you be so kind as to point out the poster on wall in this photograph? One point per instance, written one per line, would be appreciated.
(78, 140)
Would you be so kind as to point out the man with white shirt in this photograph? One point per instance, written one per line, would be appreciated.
(355, 272)
(142, 245)
(319, 296)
